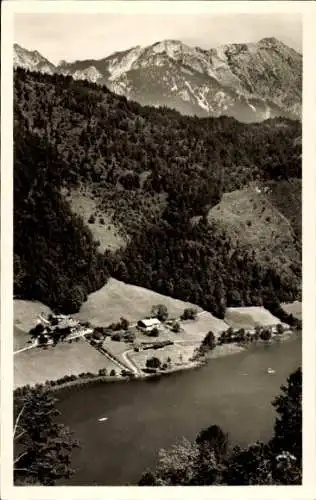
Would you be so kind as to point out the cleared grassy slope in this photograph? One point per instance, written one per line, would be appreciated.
(294, 308)
(256, 216)
(286, 196)
(249, 317)
(118, 299)
(25, 314)
(103, 229)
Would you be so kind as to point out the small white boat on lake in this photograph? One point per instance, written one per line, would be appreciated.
(270, 371)
(102, 419)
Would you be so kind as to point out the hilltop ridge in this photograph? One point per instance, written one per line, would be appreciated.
(249, 81)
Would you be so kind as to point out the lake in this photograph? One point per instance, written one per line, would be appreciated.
(234, 392)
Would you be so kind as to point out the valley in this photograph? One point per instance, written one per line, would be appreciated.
(39, 365)
(158, 265)
(194, 226)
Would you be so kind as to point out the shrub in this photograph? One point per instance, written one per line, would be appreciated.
(189, 313)
(265, 334)
(160, 312)
(280, 328)
(209, 341)
(116, 337)
(153, 363)
(175, 327)
(124, 324)
(154, 332)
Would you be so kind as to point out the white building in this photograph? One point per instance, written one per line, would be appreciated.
(149, 324)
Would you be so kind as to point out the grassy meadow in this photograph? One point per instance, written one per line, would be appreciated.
(108, 305)
(249, 317)
(35, 366)
(117, 299)
(25, 315)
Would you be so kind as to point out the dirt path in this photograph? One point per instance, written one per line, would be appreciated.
(25, 349)
(115, 360)
(133, 367)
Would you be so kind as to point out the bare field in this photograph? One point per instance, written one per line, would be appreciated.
(35, 366)
(118, 299)
(249, 317)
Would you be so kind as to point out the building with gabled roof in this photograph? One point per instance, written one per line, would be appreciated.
(149, 324)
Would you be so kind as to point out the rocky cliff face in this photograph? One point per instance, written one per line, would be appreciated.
(32, 60)
(251, 82)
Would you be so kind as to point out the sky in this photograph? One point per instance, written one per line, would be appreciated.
(71, 36)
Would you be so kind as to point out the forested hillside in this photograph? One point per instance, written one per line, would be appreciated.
(55, 258)
(155, 171)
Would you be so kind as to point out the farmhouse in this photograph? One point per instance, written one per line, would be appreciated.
(148, 324)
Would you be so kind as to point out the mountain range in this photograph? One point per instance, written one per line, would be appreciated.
(250, 82)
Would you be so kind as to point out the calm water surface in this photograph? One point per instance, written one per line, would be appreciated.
(234, 392)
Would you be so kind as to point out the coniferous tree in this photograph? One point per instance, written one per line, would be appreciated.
(42, 446)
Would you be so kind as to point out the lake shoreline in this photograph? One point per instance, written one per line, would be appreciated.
(220, 351)
(155, 412)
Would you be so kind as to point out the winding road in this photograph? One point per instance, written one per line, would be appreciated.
(127, 365)
(133, 367)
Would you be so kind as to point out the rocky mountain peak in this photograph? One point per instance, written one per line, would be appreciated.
(250, 81)
(31, 60)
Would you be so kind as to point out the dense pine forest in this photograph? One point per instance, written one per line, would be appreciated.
(159, 173)
(55, 258)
